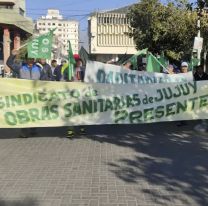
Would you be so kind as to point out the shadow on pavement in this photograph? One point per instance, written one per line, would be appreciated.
(25, 202)
(169, 165)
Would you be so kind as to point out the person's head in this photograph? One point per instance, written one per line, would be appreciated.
(78, 60)
(170, 69)
(184, 67)
(127, 65)
(200, 69)
(42, 61)
(29, 61)
(63, 61)
(54, 63)
(140, 67)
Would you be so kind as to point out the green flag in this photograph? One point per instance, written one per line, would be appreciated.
(193, 62)
(41, 46)
(163, 61)
(153, 65)
(133, 59)
(71, 62)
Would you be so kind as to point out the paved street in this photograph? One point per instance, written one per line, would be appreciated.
(131, 165)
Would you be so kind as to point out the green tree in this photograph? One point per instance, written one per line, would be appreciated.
(170, 28)
(21, 56)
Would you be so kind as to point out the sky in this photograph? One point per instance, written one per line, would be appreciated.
(74, 9)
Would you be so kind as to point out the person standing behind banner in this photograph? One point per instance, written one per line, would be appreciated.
(78, 76)
(57, 72)
(53, 66)
(127, 65)
(184, 69)
(29, 70)
(200, 75)
(47, 69)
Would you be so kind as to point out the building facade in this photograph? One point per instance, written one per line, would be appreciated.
(107, 38)
(66, 29)
(14, 25)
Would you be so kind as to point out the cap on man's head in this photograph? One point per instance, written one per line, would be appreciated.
(63, 60)
(184, 64)
(170, 67)
(77, 57)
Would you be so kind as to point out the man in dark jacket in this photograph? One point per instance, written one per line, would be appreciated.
(47, 70)
(57, 72)
(28, 70)
(200, 75)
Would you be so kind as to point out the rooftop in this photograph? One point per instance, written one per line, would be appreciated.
(121, 10)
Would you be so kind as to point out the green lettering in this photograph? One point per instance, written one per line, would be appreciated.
(2, 104)
(169, 109)
(203, 101)
(34, 114)
(110, 78)
(116, 102)
(45, 113)
(170, 93)
(159, 111)
(77, 109)
(54, 96)
(41, 97)
(181, 107)
(10, 118)
(87, 107)
(63, 93)
(23, 116)
(27, 98)
(101, 101)
(35, 97)
(108, 105)
(120, 116)
(68, 110)
(179, 92)
(129, 101)
(136, 100)
(148, 114)
(187, 92)
(75, 93)
(160, 98)
(7, 101)
(194, 86)
(54, 111)
(95, 106)
(16, 100)
(134, 117)
(192, 100)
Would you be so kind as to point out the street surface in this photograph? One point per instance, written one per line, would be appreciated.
(116, 165)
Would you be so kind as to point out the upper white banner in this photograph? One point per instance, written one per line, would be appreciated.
(97, 72)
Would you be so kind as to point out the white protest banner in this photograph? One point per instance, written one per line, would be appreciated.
(53, 104)
(97, 72)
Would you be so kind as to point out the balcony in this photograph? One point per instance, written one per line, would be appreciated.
(10, 17)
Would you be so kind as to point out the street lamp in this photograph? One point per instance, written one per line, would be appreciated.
(9, 41)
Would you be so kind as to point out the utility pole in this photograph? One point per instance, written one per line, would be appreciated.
(199, 30)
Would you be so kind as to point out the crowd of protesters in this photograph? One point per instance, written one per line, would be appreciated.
(40, 70)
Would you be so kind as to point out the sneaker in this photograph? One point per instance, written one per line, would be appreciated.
(70, 134)
(82, 131)
(24, 135)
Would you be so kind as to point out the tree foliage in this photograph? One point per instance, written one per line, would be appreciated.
(170, 28)
(21, 56)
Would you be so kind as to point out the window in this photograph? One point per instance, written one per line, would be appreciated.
(43, 23)
(43, 29)
(54, 24)
(21, 12)
(9, 7)
(59, 30)
(39, 23)
(49, 24)
(59, 24)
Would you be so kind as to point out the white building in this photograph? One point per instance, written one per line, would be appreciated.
(106, 30)
(66, 29)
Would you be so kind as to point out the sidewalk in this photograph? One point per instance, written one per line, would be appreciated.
(116, 165)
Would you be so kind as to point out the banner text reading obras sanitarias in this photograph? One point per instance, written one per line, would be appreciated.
(27, 103)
